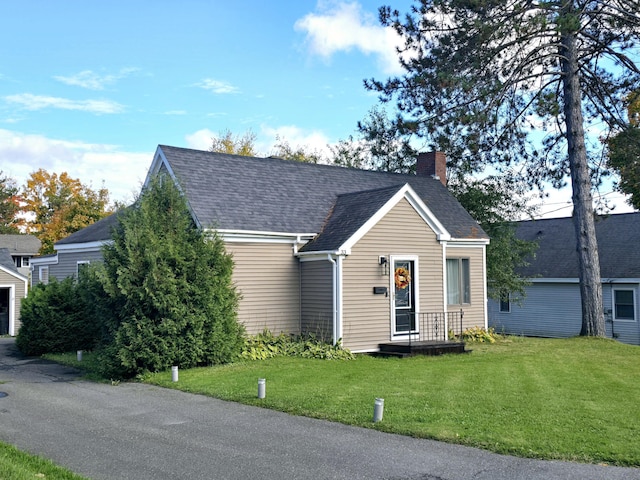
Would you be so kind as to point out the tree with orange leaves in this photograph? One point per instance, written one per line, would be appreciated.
(58, 205)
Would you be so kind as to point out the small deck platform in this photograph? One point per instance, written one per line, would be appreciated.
(431, 347)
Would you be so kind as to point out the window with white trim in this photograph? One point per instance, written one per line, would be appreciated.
(458, 281)
(81, 266)
(43, 275)
(624, 305)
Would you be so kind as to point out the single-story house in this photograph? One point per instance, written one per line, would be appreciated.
(365, 257)
(552, 306)
(13, 288)
(22, 249)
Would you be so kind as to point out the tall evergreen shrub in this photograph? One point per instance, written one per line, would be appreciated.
(169, 289)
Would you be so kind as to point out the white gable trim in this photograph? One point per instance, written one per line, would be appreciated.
(405, 192)
(160, 159)
(17, 275)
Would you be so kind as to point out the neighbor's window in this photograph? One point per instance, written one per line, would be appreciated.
(25, 261)
(624, 304)
(44, 275)
(505, 303)
(81, 267)
(458, 284)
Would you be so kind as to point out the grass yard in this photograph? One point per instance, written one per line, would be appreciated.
(17, 465)
(573, 399)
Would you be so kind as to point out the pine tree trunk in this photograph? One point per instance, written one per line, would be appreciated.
(583, 218)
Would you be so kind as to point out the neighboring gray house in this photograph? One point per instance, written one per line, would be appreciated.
(366, 257)
(22, 249)
(13, 288)
(78, 249)
(552, 307)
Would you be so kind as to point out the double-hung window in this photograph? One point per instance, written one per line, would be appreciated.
(458, 283)
(624, 305)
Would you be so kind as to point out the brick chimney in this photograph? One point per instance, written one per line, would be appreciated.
(433, 164)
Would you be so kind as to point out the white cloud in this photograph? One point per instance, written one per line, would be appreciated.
(345, 26)
(200, 140)
(94, 81)
(314, 141)
(121, 172)
(40, 102)
(216, 86)
(266, 139)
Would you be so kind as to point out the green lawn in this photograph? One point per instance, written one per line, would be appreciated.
(574, 399)
(17, 465)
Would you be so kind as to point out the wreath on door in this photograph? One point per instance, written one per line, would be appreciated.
(402, 278)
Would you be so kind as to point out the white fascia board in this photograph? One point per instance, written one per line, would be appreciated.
(619, 280)
(554, 280)
(314, 256)
(466, 243)
(40, 261)
(18, 275)
(82, 247)
(604, 281)
(414, 200)
(262, 237)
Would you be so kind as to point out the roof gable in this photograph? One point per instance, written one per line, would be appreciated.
(354, 214)
(557, 255)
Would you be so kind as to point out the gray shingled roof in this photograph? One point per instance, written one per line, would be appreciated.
(20, 244)
(232, 192)
(98, 231)
(350, 212)
(6, 260)
(618, 237)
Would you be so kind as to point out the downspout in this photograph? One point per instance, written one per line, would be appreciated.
(339, 299)
(334, 272)
(445, 298)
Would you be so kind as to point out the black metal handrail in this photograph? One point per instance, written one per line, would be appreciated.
(436, 326)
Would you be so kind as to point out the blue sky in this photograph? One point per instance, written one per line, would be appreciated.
(91, 88)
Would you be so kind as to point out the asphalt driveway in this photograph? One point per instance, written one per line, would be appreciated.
(134, 431)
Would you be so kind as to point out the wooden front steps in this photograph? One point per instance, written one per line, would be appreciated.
(406, 349)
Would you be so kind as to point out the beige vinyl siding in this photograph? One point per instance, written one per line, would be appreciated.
(367, 317)
(19, 290)
(267, 276)
(474, 313)
(317, 298)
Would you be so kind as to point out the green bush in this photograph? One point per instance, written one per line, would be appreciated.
(267, 345)
(476, 334)
(54, 319)
(168, 294)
